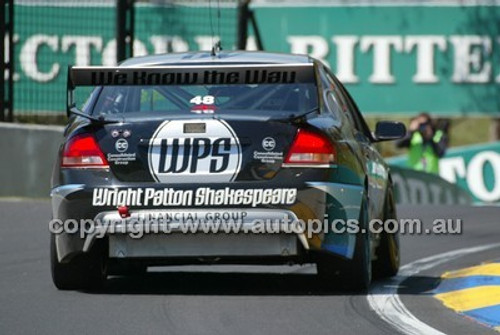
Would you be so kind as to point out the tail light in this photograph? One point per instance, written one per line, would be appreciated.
(83, 151)
(311, 149)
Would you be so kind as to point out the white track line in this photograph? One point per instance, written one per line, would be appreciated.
(384, 298)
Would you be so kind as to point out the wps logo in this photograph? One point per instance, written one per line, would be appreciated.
(186, 154)
(178, 157)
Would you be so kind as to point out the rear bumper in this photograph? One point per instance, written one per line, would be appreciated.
(203, 246)
(240, 236)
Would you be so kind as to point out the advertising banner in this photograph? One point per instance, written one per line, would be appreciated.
(472, 168)
(393, 59)
(419, 188)
(399, 59)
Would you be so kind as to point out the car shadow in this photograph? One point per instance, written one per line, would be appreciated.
(419, 285)
(244, 284)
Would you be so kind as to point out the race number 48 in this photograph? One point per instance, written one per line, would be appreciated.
(206, 100)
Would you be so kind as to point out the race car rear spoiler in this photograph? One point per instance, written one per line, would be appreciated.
(190, 75)
(186, 75)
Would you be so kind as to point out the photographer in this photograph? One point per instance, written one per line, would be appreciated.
(425, 144)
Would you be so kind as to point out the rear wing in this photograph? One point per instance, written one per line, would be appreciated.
(187, 75)
(190, 75)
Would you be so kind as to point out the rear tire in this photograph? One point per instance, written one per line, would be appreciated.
(354, 274)
(388, 257)
(85, 271)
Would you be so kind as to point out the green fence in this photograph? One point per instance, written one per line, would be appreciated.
(52, 36)
(394, 59)
(49, 38)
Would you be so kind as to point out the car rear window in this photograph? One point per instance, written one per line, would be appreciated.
(262, 99)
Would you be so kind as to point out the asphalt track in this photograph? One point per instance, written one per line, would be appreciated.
(225, 300)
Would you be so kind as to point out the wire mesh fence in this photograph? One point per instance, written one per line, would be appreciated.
(177, 26)
(50, 35)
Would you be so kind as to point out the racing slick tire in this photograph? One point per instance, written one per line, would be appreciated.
(387, 253)
(353, 274)
(86, 271)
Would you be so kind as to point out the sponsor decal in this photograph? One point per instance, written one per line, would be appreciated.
(121, 145)
(180, 77)
(196, 216)
(203, 196)
(179, 157)
(203, 109)
(268, 143)
(122, 158)
(268, 156)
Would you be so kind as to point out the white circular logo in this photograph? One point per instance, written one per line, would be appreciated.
(176, 156)
(121, 145)
(127, 133)
(268, 143)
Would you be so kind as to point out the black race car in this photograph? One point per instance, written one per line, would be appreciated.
(233, 158)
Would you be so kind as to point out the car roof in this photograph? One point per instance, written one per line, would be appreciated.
(223, 57)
